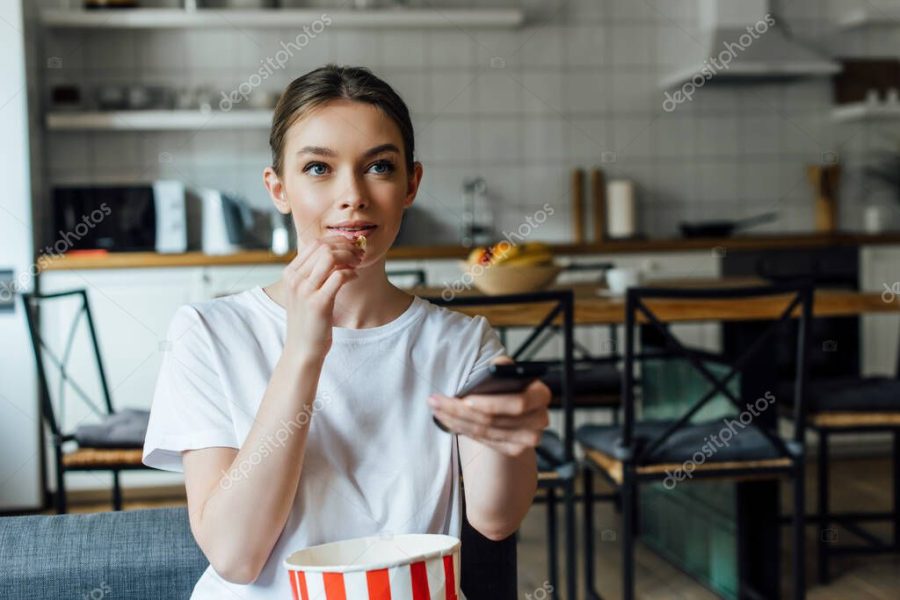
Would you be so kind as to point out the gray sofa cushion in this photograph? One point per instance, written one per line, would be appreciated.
(140, 554)
(151, 555)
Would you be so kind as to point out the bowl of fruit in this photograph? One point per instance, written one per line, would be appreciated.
(507, 268)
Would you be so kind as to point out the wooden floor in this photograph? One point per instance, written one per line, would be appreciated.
(859, 484)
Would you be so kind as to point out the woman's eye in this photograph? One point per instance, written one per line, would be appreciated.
(382, 167)
(316, 169)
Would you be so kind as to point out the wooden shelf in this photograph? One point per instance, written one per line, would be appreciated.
(863, 111)
(870, 16)
(388, 18)
(157, 120)
(134, 260)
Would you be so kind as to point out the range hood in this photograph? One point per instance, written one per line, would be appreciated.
(749, 37)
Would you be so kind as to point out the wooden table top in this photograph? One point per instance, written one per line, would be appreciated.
(594, 309)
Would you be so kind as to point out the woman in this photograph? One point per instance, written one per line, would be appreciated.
(301, 413)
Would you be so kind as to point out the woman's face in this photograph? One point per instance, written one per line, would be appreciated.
(344, 174)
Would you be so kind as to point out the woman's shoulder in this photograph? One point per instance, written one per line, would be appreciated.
(220, 313)
(453, 320)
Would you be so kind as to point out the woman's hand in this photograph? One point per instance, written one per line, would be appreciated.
(508, 423)
(311, 282)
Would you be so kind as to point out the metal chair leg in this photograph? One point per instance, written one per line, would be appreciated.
(571, 541)
(896, 470)
(588, 482)
(117, 492)
(61, 503)
(552, 541)
(627, 535)
(799, 553)
(824, 529)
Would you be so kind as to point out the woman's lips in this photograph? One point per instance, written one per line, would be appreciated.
(354, 232)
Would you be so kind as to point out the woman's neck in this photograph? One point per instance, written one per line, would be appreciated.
(370, 300)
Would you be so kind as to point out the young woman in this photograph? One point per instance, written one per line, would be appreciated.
(301, 412)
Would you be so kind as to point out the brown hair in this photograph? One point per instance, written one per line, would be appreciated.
(333, 82)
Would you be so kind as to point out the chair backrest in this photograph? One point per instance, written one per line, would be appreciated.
(32, 303)
(796, 299)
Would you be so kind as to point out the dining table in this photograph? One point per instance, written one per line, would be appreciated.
(758, 503)
(596, 305)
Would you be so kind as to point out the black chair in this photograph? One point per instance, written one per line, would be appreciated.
(557, 468)
(597, 380)
(854, 405)
(641, 451)
(115, 459)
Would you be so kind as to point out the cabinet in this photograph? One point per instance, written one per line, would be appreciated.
(880, 272)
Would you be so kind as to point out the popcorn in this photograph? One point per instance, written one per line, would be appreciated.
(361, 242)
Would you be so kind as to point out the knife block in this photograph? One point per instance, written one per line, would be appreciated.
(825, 181)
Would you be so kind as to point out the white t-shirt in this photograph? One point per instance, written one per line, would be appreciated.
(375, 462)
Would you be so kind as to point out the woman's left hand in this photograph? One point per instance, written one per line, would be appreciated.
(508, 423)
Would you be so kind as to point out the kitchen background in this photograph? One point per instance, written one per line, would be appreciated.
(577, 84)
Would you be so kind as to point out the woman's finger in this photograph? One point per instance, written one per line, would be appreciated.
(536, 395)
(326, 261)
(335, 280)
(534, 419)
(334, 241)
(485, 432)
(303, 253)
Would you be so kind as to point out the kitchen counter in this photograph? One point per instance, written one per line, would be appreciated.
(131, 260)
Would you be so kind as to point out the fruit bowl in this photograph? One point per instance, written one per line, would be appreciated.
(495, 280)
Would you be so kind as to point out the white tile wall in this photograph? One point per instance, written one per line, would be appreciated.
(578, 83)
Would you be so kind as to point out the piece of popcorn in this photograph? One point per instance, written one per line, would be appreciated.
(361, 242)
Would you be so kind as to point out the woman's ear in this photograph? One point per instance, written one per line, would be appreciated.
(275, 187)
(412, 186)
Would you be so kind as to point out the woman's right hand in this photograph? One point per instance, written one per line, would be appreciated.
(311, 282)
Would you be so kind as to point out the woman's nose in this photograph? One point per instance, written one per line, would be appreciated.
(354, 195)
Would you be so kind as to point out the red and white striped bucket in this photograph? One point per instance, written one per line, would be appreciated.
(397, 567)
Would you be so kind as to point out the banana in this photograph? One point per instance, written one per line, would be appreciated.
(509, 254)
(503, 252)
(530, 260)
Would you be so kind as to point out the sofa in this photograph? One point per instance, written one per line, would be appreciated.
(152, 555)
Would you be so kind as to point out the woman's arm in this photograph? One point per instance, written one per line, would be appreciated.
(498, 433)
(239, 501)
(499, 488)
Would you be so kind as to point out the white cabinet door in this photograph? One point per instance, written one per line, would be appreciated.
(880, 272)
(224, 281)
(132, 309)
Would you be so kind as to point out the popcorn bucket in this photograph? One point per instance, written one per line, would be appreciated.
(397, 567)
